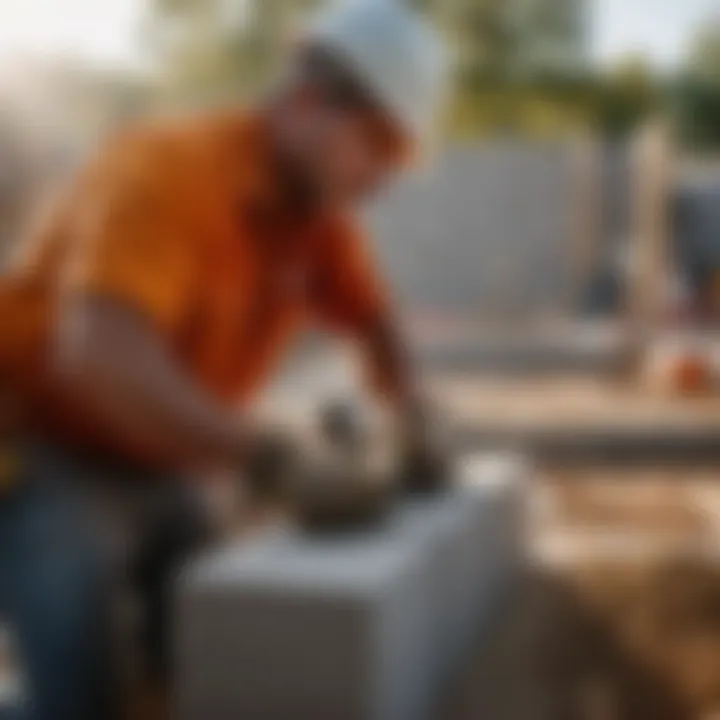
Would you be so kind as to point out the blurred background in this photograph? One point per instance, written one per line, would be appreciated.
(549, 98)
(559, 268)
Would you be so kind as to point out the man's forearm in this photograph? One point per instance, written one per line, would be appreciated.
(391, 367)
(125, 378)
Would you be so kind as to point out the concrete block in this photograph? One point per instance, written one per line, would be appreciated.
(365, 626)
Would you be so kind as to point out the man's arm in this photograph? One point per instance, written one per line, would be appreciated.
(128, 286)
(114, 365)
(391, 370)
(353, 299)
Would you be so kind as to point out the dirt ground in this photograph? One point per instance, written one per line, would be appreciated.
(619, 618)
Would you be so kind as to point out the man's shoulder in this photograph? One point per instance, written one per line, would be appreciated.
(342, 227)
(175, 149)
(196, 133)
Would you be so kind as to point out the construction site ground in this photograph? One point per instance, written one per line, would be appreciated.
(619, 617)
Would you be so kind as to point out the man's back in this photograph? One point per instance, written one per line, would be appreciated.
(184, 224)
(32, 289)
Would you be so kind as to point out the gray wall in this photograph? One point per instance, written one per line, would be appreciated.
(486, 230)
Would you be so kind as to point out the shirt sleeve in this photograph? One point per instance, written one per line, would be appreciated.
(350, 293)
(131, 239)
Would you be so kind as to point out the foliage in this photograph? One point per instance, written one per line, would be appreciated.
(511, 54)
(625, 96)
(522, 65)
(220, 50)
(697, 91)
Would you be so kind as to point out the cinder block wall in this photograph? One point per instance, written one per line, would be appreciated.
(487, 229)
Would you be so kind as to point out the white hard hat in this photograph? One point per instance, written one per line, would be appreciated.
(394, 53)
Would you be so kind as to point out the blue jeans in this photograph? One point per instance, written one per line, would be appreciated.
(60, 576)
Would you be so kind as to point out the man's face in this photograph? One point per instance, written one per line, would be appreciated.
(350, 152)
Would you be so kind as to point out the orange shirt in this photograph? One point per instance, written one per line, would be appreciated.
(184, 223)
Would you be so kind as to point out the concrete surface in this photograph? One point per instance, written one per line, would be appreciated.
(366, 626)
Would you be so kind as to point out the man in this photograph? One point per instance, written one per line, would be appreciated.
(151, 305)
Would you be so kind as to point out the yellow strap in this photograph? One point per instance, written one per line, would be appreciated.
(10, 468)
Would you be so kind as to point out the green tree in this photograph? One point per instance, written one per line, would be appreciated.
(625, 96)
(698, 90)
(704, 56)
(217, 50)
(552, 39)
(506, 52)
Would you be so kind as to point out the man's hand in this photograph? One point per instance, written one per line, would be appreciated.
(426, 451)
(271, 463)
(424, 438)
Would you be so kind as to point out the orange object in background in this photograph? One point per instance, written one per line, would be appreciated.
(690, 374)
(681, 369)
